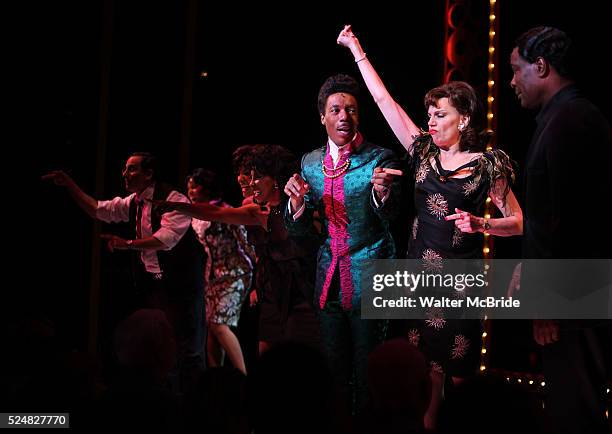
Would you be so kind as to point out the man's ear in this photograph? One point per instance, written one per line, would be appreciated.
(542, 67)
(149, 174)
(322, 119)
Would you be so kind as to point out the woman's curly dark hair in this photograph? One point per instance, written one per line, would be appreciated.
(463, 97)
(266, 160)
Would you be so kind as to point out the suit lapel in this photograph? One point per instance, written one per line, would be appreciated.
(361, 156)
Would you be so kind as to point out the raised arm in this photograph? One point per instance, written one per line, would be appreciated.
(250, 214)
(86, 202)
(399, 121)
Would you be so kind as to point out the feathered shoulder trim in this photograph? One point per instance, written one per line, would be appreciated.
(495, 165)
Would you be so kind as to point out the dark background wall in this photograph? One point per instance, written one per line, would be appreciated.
(264, 65)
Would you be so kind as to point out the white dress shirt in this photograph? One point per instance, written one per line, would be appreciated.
(172, 225)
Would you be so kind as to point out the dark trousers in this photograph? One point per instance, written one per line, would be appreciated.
(347, 340)
(185, 312)
(575, 373)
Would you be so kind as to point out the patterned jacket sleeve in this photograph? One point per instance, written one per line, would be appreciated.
(390, 207)
(301, 226)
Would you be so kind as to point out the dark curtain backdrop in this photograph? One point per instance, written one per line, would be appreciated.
(264, 67)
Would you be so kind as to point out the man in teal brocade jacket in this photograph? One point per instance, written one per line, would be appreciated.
(354, 186)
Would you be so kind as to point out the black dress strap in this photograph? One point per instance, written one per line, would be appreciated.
(444, 174)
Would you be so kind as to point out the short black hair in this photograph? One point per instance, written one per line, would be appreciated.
(207, 179)
(551, 44)
(335, 84)
(148, 162)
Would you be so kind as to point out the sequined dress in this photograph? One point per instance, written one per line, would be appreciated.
(228, 269)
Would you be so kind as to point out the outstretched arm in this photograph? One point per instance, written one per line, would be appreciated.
(510, 224)
(251, 214)
(86, 202)
(401, 124)
(115, 242)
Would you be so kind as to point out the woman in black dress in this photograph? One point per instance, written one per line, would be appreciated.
(453, 177)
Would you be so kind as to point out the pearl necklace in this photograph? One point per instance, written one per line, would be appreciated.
(337, 171)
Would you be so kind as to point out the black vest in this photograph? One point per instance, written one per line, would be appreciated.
(182, 266)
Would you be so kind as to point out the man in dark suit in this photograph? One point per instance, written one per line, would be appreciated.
(566, 181)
